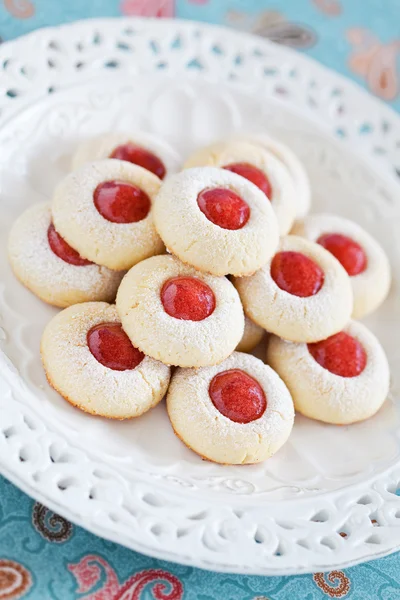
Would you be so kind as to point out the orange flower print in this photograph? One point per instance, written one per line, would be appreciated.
(15, 580)
(334, 584)
(21, 9)
(375, 62)
(332, 8)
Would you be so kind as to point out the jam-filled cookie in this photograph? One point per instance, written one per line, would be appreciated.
(141, 149)
(292, 163)
(44, 262)
(360, 254)
(104, 210)
(216, 221)
(235, 413)
(302, 294)
(259, 166)
(252, 335)
(91, 362)
(178, 315)
(340, 380)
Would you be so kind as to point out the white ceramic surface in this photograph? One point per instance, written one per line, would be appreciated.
(134, 482)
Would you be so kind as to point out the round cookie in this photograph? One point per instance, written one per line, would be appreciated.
(238, 412)
(292, 163)
(340, 380)
(252, 335)
(139, 148)
(178, 315)
(50, 268)
(302, 294)
(360, 254)
(216, 221)
(90, 361)
(259, 166)
(104, 210)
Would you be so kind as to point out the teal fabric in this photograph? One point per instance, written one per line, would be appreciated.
(44, 557)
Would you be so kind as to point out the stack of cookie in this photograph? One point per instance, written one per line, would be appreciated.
(216, 255)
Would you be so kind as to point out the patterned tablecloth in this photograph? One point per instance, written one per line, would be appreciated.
(44, 557)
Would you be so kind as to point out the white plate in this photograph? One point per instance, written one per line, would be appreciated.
(134, 482)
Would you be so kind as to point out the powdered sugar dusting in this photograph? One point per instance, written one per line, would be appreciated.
(47, 275)
(299, 319)
(322, 395)
(370, 287)
(188, 233)
(102, 146)
(115, 245)
(175, 341)
(283, 199)
(79, 377)
(198, 422)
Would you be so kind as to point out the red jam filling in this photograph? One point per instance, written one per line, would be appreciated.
(111, 347)
(253, 174)
(340, 354)
(296, 274)
(348, 252)
(121, 202)
(187, 298)
(140, 156)
(63, 250)
(224, 208)
(237, 396)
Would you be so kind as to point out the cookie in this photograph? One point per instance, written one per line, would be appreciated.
(216, 221)
(140, 148)
(259, 166)
(303, 294)
(238, 412)
(359, 253)
(293, 164)
(104, 210)
(44, 262)
(90, 361)
(177, 315)
(252, 335)
(340, 380)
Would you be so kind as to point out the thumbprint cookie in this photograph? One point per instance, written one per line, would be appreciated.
(302, 294)
(259, 166)
(237, 412)
(216, 221)
(141, 149)
(104, 210)
(292, 163)
(90, 361)
(340, 380)
(360, 254)
(50, 268)
(178, 315)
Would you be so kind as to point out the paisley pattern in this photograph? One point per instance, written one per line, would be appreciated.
(15, 580)
(335, 584)
(43, 556)
(97, 579)
(50, 525)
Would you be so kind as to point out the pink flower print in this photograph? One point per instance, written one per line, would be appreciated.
(148, 8)
(375, 62)
(92, 569)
